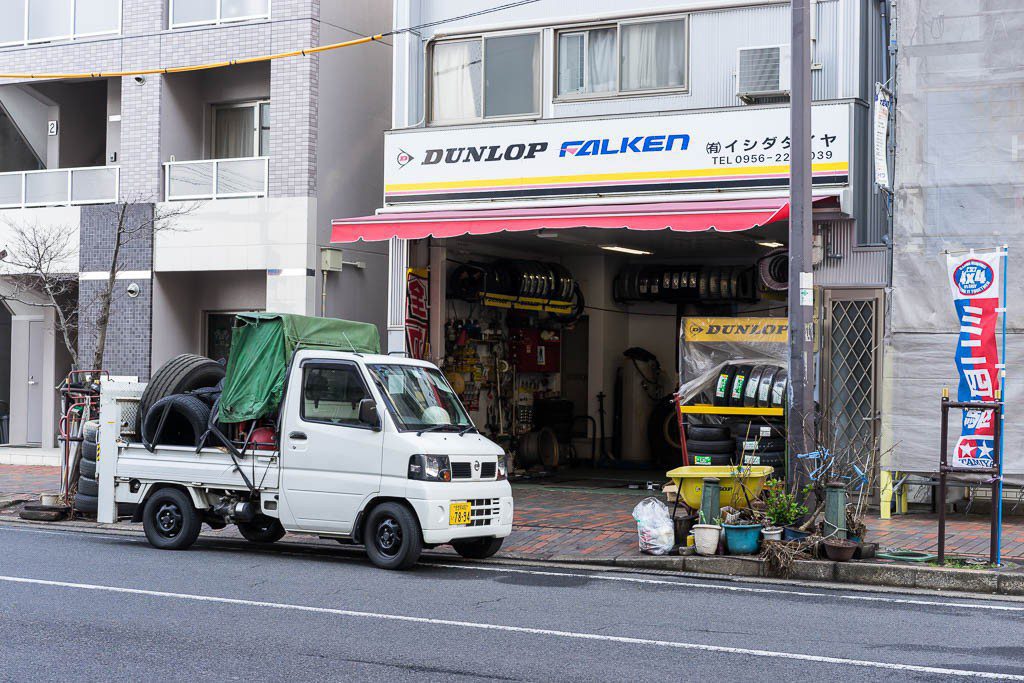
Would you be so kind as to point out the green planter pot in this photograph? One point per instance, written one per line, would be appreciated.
(742, 539)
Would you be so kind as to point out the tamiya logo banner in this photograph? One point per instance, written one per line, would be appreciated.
(974, 281)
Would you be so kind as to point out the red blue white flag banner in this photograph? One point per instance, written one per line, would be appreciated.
(975, 282)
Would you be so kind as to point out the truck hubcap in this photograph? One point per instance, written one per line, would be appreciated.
(389, 536)
(169, 520)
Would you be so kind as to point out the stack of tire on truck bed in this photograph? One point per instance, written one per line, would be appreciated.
(181, 394)
(188, 387)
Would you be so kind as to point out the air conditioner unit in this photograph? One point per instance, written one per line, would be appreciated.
(762, 71)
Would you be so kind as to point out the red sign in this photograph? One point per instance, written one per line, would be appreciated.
(417, 312)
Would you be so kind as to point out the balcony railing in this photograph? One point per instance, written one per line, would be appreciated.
(59, 187)
(216, 178)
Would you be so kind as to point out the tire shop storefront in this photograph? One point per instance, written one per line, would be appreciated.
(548, 268)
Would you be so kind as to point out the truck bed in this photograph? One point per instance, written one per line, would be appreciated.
(211, 467)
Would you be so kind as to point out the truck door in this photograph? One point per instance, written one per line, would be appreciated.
(330, 461)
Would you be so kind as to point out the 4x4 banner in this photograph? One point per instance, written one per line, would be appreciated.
(976, 281)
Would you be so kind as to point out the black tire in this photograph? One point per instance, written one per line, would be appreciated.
(87, 468)
(764, 444)
(754, 430)
(478, 548)
(764, 387)
(774, 459)
(739, 383)
(90, 430)
(89, 451)
(262, 530)
(707, 433)
(88, 486)
(178, 375)
(711, 459)
(393, 537)
(779, 389)
(724, 385)
(753, 382)
(43, 513)
(84, 503)
(170, 520)
(723, 446)
(663, 434)
(186, 421)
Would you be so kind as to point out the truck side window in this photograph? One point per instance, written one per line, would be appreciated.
(331, 393)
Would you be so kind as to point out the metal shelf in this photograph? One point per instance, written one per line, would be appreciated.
(730, 410)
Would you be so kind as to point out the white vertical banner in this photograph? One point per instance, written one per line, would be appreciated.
(883, 102)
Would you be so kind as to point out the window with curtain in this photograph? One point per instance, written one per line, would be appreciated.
(482, 78)
(626, 58)
(241, 130)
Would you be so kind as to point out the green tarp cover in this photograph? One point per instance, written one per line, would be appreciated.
(262, 345)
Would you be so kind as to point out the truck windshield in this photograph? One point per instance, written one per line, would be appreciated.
(420, 398)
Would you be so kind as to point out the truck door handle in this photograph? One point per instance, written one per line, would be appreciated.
(297, 436)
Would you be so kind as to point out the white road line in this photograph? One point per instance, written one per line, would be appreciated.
(735, 589)
(574, 635)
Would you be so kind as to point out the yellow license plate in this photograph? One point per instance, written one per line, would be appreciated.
(459, 513)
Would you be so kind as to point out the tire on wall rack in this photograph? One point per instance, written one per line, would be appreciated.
(178, 375)
(708, 432)
(723, 446)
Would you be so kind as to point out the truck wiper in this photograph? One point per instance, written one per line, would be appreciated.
(465, 430)
(434, 428)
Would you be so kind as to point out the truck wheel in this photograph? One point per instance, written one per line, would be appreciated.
(263, 529)
(170, 520)
(478, 548)
(392, 535)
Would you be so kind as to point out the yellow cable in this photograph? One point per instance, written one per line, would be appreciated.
(200, 67)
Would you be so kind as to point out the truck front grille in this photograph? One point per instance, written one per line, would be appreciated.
(485, 511)
(488, 470)
(462, 470)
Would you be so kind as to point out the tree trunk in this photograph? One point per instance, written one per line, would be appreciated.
(107, 295)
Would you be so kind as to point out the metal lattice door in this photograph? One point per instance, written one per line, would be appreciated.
(851, 368)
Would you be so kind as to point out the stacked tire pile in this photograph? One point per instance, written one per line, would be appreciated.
(751, 386)
(685, 283)
(88, 488)
(740, 444)
(182, 395)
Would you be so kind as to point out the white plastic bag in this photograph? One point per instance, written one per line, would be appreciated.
(654, 527)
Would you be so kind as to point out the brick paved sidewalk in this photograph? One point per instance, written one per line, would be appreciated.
(561, 523)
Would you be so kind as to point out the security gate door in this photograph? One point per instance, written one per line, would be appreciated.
(851, 365)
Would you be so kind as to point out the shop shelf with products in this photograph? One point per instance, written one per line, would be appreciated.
(721, 411)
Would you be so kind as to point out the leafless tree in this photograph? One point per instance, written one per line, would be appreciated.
(40, 258)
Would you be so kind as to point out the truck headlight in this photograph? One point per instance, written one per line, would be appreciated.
(430, 467)
(502, 468)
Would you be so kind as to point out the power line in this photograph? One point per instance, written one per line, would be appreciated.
(305, 52)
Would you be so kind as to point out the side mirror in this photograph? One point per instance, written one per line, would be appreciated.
(368, 413)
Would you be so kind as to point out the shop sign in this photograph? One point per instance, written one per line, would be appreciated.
(417, 309)
(883, 102)
(975, 283)
(736, 330)
(740, 149)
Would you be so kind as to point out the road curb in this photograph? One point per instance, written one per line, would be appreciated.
(992, 582)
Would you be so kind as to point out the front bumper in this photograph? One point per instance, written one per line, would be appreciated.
(491, 518)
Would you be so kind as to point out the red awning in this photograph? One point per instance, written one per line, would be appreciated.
(724, 216)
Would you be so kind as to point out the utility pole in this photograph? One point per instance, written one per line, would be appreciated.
(800, 410)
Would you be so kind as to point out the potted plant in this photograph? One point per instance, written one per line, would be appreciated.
(706, 536)
(742, 530)
(782, 508)
(772, 533)
(839, 549)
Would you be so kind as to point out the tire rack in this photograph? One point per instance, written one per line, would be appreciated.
(78, 405)
(724, 411)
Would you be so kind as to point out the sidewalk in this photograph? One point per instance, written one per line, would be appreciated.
(565, 523)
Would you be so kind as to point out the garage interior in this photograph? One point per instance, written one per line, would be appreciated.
(555, 338)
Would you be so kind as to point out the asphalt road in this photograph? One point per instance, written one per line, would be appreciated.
(81, 606)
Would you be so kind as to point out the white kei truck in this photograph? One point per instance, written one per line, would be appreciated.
(370, 449)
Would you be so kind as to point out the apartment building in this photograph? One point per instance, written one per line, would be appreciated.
(640, 147)
(250, 160)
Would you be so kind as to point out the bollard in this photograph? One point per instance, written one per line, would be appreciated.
(835, 510)
(710, 500)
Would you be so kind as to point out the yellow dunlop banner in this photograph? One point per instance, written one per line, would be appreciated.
(735, 329)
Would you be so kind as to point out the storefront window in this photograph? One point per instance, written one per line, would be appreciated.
(629, 57)
(484, 78)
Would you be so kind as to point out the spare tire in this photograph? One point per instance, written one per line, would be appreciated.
(186, 422)
(178, 375)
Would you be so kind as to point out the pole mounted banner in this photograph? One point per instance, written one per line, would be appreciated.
(975, 281)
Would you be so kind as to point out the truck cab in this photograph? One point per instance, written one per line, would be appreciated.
(371, 448)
